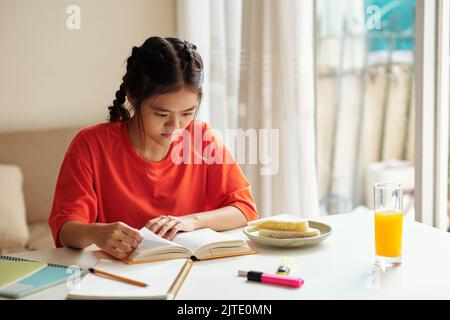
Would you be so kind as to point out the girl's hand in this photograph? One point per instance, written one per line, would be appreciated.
(117, 239)
(168, 226)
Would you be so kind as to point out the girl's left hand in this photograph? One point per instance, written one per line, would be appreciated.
(168, 226)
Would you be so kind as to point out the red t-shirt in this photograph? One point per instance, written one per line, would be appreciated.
(103, 179)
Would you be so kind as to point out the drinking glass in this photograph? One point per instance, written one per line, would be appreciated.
(388, 207)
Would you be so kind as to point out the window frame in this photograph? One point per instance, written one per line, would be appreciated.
(432, 115)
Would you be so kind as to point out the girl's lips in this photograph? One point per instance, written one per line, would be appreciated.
(166, 135)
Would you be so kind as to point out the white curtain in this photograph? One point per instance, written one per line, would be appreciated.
(260, 75)
(277, 91)
(215, 27)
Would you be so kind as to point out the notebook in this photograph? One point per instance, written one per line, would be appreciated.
(201, 244)
(164, 279)
(14, 271)
(50, 275)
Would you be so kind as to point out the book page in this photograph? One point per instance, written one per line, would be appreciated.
(153, 244)
(158, 275)
(204, 238)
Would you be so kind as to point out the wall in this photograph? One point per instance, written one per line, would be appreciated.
(51, 76)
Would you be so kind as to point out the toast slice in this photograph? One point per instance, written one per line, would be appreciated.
(281, 222)
(276, 234)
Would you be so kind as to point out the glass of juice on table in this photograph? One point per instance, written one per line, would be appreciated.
(388, 224)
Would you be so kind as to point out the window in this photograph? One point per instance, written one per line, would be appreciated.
(365, 80)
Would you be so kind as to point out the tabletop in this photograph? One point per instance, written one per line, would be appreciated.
(341, 267)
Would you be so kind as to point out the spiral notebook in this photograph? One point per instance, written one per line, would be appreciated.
(49, 276)
(163, 278)
(14, 271)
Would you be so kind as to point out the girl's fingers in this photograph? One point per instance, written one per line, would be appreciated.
(131, 232)
(158, 224)
(122, 246)
(132, 242)
(169, 225)
(172, 233)
(116, 253)
(155, 220)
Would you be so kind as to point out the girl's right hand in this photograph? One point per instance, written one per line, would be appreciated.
(117, 239)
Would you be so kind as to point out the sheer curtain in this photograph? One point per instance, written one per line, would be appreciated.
(215, 27)
(259, 60)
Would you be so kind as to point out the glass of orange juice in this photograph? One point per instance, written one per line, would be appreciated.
(388, 224)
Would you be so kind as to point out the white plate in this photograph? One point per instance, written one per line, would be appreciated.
(325, 231)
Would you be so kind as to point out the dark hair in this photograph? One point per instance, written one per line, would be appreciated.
(158, 66)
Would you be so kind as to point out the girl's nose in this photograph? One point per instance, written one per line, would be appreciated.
(173, 122)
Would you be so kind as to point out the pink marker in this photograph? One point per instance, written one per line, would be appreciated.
(286, 281)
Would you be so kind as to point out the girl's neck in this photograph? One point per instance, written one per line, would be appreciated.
(146, 148)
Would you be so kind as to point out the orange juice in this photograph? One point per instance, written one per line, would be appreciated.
(388, 233)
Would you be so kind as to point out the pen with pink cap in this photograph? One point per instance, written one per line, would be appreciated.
(286, 281)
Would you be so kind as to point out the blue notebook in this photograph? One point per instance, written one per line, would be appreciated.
(50, 276)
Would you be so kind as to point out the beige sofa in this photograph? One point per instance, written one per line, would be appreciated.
(38, 154)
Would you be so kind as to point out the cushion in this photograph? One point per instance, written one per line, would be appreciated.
(13, 224)
(40, 236)
(39, 154)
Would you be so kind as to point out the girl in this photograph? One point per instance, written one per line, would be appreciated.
(120, 176)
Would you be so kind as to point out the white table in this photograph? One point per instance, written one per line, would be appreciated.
(338, 268)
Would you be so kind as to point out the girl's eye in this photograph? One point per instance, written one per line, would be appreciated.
(161, 114)
(187, 114)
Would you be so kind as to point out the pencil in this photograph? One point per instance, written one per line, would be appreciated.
(116, 277)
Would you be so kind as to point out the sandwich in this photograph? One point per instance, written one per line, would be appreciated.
(282, 226)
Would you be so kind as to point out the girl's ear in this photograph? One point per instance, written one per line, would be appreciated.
(130, 99)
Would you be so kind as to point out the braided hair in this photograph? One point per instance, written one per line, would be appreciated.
(158, 66)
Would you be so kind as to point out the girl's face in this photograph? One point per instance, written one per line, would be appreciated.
(163, 114)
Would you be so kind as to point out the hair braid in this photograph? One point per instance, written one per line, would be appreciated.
(118, 112)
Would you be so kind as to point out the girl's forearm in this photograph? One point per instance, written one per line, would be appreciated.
(222, 219)
(77, 235)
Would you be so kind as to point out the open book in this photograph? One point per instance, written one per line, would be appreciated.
(199, 244)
